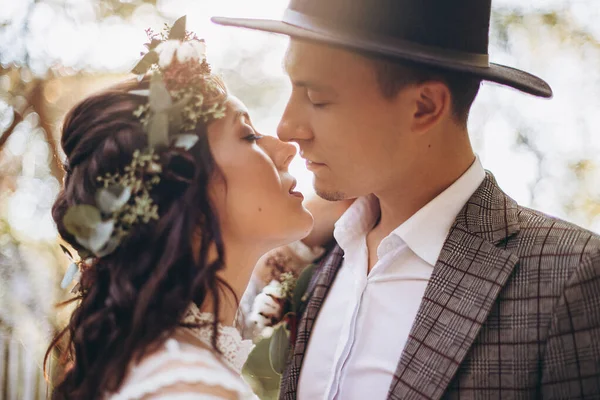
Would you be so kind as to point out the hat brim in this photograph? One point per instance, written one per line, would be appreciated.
(501, 74)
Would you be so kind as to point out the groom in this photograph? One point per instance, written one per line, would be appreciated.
(440, 285)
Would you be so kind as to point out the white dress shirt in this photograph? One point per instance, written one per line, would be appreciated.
(363, 325)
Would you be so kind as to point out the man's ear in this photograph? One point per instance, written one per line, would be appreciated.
(432, 104)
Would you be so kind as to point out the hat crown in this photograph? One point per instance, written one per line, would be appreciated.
(461, 25)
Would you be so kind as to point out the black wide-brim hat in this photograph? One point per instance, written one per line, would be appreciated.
(448, 34)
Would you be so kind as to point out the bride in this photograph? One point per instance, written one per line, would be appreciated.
(170, 198)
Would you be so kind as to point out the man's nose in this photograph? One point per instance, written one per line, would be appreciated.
(293, 127)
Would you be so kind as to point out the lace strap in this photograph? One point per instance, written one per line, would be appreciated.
(176, 375)
(174, 353)
(174, 366)
(187, 396)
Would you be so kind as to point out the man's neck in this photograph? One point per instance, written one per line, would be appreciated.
(403, 199)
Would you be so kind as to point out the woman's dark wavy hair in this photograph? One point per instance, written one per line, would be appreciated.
(135, 297)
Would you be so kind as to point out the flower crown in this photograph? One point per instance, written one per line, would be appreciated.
(177, 69)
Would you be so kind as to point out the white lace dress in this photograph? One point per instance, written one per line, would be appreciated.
(184, 371)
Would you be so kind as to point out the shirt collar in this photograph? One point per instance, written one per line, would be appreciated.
(357, 221)
(426, 231)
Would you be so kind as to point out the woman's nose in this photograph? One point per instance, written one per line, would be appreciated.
(289, 151)
(281, 153)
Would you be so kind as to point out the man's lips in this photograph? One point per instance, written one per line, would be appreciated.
(308, 160)
(311, 165)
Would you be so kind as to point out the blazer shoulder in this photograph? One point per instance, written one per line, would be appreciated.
(546, 235)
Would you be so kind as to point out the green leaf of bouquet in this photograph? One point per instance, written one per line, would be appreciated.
(158, 130)
(153, 44)
(302, 286)
(145, 63)
(178, 29)
(80, 220)
(160, 98)
(259, 374)
(279, 349)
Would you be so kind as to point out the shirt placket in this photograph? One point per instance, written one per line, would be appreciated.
(387, 247)
(349, 326)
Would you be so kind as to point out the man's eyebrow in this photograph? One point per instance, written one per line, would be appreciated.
(302, 83)
(313, 85)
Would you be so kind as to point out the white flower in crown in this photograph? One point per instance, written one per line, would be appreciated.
(267, 309)
(183, 51)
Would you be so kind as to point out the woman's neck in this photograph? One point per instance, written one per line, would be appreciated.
(239, 264)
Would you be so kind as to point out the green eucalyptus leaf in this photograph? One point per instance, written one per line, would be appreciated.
(160, 98)
(259, 374)
(302, 286)
(279, 349)
(109, 247)
(178, 29)
(76, 288)
(145, 63)
(175, 122)
(112, 198)
(180, 104)
(80, 220)
(143, 92)
(176, 114)
(185, 141)
(85, 254)
(69, 275)
(98, 237)
(66, 251)
(158, 130)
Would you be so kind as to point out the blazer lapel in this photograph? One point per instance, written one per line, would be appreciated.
(319, 287)
(466, 280)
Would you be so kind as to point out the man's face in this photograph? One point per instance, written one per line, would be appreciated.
(354, 140)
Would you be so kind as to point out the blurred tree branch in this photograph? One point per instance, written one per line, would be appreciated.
(562, 22)
(17, 119)
(37, 105)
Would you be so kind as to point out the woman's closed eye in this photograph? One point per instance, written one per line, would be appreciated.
(251, 135)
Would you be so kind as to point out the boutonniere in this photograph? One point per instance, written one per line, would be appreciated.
(275, 314)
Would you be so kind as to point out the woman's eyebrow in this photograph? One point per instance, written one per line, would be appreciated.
(241, 114)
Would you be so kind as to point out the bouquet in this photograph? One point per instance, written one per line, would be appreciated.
(275, 315)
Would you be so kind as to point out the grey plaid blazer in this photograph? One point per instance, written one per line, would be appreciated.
(512, 310)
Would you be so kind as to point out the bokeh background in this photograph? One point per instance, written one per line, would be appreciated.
(545, 154)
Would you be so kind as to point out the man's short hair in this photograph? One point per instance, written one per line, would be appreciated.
(393, 76)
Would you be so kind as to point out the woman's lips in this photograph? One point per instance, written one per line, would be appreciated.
(295, 193)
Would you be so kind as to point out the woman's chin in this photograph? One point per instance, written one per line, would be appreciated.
(307, 224)
(296, 228)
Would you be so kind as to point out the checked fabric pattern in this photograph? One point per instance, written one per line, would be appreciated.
(512, 310)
